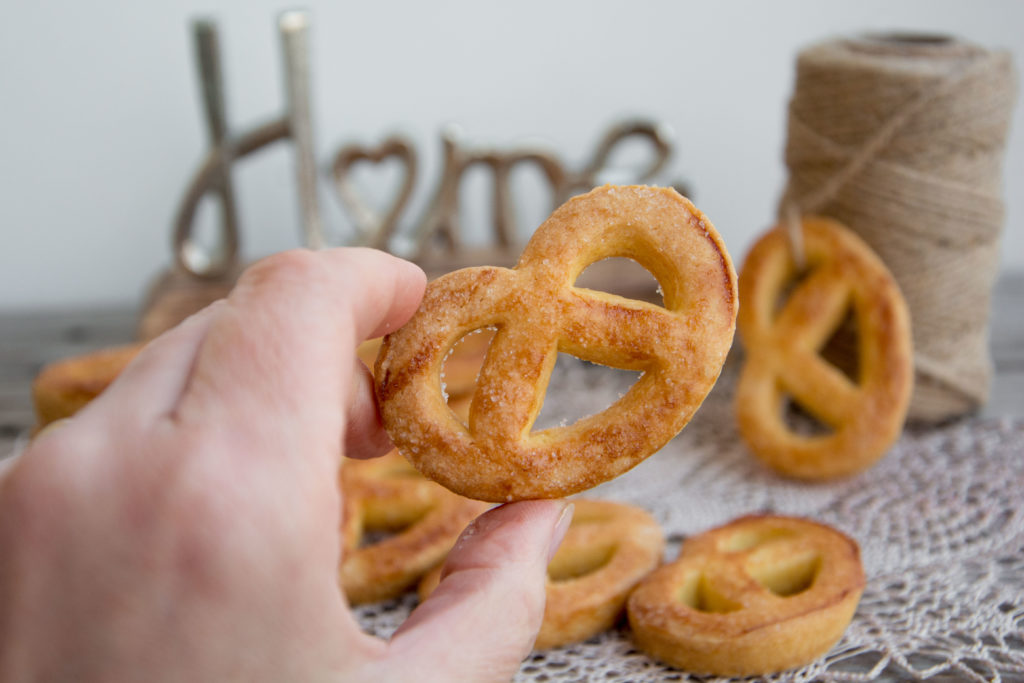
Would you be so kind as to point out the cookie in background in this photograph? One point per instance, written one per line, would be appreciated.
(538, 311)
(607, 550)
(64, 387)
(800, 413)
(758, 595)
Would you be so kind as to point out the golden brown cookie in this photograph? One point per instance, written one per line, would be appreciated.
(537, 312)
(783, 343)
(758, 595)
(387, 495)
(460, 368)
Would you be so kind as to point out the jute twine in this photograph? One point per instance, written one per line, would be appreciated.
(901, 138)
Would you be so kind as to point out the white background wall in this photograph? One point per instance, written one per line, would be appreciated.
(101, 126)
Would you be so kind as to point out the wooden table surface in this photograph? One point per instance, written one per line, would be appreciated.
(30, 340)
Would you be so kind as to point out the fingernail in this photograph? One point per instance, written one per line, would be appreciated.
(561, 526)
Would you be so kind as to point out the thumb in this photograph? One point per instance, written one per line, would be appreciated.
(481, 621)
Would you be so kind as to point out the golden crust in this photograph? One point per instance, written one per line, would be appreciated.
(387, 494)
(537, 312)
(758, 595)
(782, 353)
(64, 387)
(608, 549)
(461, 367)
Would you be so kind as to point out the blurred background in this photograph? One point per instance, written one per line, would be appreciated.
(102, 122)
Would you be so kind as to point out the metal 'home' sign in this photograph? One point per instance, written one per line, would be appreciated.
(436, 238)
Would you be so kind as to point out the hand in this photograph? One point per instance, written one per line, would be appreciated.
(184, 525)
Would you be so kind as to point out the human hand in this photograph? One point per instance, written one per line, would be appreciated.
(184, 525)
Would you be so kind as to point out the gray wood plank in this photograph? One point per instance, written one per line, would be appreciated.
(30, 340)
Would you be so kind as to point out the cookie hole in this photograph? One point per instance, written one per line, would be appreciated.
(383, 521)
(372, 537)
(699, 594)
(461, 368)
(576, 562)
(623, 277)
(796, 278)
(748, 539)
(591, 384)
(790, 576)
(801, 421)
(842, 348)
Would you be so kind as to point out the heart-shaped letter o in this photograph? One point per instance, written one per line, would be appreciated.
(537, 312)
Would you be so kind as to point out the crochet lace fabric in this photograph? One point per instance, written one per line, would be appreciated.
(940, 522)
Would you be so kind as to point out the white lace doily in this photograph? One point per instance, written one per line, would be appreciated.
(940, 522)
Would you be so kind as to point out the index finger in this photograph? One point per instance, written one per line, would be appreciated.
(278, 359)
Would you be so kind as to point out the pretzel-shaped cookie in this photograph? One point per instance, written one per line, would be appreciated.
(538, 312)
(758, 595)
(782, 350)
(460, 367)
(607, 550)
(387, 494)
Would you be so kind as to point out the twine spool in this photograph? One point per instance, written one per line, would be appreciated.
(901, 138)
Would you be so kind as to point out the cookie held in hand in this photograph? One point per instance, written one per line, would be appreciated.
(537, 312)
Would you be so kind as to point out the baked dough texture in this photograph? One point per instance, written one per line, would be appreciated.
(461, 366)
(759, 595)
(387, 495)
(537, 312)
(783, 345)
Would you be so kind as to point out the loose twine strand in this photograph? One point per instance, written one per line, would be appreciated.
(902, 140)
